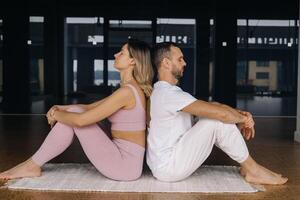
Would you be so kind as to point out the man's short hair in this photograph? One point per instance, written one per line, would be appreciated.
(160, 51)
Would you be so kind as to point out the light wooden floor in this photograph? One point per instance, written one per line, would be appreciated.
(273, 147)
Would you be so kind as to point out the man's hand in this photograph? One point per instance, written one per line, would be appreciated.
(247, 127)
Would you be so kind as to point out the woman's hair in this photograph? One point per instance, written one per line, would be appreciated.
(143, 71)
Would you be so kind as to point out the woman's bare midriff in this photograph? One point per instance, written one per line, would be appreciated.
(137, 137)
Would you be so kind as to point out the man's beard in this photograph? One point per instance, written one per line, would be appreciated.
(177, 74)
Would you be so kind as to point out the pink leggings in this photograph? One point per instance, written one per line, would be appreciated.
(116, 159)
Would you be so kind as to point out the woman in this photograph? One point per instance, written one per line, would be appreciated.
(119, 158)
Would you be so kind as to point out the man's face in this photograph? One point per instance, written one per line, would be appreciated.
(177, 62)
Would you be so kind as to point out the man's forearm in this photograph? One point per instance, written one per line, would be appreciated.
(236, 115)
(233, 110)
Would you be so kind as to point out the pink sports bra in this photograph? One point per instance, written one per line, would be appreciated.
(129, 120)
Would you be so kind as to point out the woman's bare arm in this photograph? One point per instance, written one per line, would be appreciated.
(84, 106)
(98, 111)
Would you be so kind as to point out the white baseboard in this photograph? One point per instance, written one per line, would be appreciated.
(297, 136)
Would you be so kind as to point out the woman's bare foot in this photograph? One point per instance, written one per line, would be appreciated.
(25, 169)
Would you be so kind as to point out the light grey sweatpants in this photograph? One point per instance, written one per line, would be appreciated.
(196, 144)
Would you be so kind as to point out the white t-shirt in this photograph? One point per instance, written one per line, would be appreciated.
(167, 123)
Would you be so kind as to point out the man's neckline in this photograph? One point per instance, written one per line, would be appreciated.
(164, 83)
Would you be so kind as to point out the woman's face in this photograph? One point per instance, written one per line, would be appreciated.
(122, 58)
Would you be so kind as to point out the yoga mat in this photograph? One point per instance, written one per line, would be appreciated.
(85, 177)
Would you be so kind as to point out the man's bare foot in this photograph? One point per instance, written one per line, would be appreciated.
(261, 175)
(243, 171)
(25, 169)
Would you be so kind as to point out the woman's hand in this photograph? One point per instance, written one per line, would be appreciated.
(50, 115)
(60, 107)
(51, 122)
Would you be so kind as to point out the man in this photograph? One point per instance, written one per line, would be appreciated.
(175, 147)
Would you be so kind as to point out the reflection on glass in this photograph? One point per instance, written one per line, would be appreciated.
(211, 57)
(98, 69)
(267, 60)
(182, 32)
(136, 24)
(84, 53)
(74, 75)
(1, 60)
(113, 74)
(36, 49)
